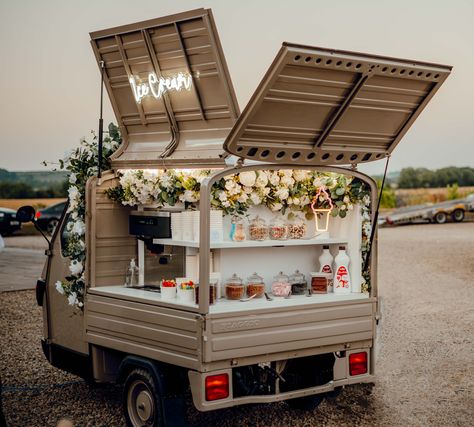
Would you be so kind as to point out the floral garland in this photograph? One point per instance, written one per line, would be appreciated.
(82, 163)
(280, 191)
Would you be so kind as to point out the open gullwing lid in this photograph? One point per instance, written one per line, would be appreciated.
(170, 90)
(318, 106)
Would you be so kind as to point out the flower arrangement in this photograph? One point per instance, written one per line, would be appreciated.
(187, 286)
(81, 163)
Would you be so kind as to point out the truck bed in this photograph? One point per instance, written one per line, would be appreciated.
(138, 322)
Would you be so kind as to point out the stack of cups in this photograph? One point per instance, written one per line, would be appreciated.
(176, 226)
(216, 226)
(187, 225)
(196, 217)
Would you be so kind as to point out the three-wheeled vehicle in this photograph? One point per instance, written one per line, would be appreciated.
(314, 110)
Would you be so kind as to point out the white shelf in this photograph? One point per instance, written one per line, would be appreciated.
(252, 243)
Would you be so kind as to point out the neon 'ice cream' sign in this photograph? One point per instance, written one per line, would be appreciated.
(158, 86)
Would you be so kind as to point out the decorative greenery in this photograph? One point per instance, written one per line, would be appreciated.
(81, 163)
(284, 191)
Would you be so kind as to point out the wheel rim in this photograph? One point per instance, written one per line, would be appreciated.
(140, 404)
(441, 218)
(458, 215)
(52, 226)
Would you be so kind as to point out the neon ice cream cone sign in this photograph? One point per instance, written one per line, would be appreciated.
(321, 215)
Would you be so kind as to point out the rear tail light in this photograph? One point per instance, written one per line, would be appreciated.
(217, 387)
(358, 363)
(37, 214)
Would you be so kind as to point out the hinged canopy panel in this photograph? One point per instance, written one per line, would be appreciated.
(170, 90)
(321, 106)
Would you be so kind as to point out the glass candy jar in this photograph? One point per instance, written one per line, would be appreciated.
(255, 286)
(258, 229)
(278, 229)
(298, 283)
(234, 288)
(297, 228)
(281, 286)
(238, 230)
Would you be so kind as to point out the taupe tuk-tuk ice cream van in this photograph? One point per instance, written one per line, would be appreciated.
(235, 293)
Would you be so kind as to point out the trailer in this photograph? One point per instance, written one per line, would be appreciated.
(432, 212)
(315, 109)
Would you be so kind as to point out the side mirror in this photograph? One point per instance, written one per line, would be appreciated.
(26, 214)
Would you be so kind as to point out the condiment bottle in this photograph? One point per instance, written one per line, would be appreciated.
(258, 229)
(255, 285)
(298, 283)
(131, 276)
(234, 288)
(342, 279)
(325, 264)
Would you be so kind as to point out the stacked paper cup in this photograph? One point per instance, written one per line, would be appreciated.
(216, 226)
(176, 226)
(187, 225)
(196, 216)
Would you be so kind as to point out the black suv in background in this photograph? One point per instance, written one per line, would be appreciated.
(48, 218)
(8, 222)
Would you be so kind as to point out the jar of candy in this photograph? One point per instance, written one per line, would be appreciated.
(320, 282)
(234, 287)
(258, 229)
(298, 283)
(278, 229)
(255, 286)
(297, 228)
(237, 233)
(281, 286)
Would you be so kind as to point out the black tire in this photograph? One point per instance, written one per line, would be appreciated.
(458, 215)
(142, 405)
(51, 226)
(440, 218)
(306, 403)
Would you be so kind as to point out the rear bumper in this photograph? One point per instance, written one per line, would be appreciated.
(197, 380)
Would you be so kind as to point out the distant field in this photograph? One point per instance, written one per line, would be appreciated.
(417, 196)
(36, 203)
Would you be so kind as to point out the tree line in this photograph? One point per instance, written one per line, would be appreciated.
(426, 178)
(23, 190)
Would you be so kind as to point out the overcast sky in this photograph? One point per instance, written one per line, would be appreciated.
(49, 80)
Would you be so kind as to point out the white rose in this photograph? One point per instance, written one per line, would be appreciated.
(262, 179)
(230, 185)
(296, 201)
(79, 227)
(343, 207)
(226, 204)
(189, 196)
(276, 207)
(72, 178)
(274, 179)
(255, 198)
(282, 193)
(243, 198)
(247, 178)
(72, 298)
(222, 196)
(287, 181)
(76, 268)
(59, 287)
(300, 175)
(346, 199)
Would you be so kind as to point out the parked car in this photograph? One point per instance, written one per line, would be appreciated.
(8, 222)
(48, 218)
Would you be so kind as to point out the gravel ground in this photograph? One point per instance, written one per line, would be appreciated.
(425, 369)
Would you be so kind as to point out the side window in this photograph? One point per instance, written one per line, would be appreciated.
(66, 237)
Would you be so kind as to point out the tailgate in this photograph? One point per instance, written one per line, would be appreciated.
(288, 329)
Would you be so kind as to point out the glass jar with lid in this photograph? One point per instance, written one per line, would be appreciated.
(237, 233)
(258, 229)
(234, 288)
(255, 286)
(297, 228)
(278, 228)
(298, 283)
(281, 286)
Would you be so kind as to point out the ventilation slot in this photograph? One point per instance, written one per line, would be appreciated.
(325, 156)
(310, 156)
(280, 154)
(239, 149)
(264, 153)
(354, 157)
(296, 155)
(366, 157)
(340, 157)
(252, 152)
